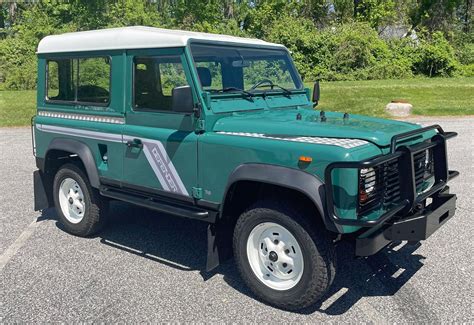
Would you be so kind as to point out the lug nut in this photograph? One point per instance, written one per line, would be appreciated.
(287, 251)
(276, 241)
(285, 265)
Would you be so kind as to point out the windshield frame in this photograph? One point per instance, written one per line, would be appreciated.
(299, 85)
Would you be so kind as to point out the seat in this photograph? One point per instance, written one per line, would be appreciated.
(147, 94)
(204, 76)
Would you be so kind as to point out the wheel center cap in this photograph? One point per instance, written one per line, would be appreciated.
(70, 200)
(273, 256)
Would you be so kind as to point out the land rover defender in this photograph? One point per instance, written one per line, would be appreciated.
(221, 129)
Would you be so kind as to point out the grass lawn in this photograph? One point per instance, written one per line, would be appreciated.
(437, 96)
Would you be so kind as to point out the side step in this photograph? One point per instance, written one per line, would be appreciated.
(160, 205)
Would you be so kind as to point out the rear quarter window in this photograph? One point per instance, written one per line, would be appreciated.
(79, 80)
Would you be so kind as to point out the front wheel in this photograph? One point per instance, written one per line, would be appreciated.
(283, 258)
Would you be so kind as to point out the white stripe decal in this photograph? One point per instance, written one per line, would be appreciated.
(154, 151)
(81, 133)
(340, 142)
(162, 165)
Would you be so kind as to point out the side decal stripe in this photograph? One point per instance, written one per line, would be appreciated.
(81, 133)
(154, 151)
(162, 165)
(83, 117)
(340, 142)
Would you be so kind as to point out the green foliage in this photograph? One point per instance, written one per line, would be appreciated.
(329, 39)
(346, 52)
(435, 57)
(17, 64)
(376, 12)
(467, 70)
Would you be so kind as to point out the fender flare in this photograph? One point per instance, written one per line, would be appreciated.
(82, 151)
(298, 180)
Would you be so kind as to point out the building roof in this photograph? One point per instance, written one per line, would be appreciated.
(136, 37)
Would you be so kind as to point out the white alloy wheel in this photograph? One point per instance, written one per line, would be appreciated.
(275, 256)
(71, 200)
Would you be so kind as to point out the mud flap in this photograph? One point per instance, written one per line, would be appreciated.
(41, 190)
(219, 245)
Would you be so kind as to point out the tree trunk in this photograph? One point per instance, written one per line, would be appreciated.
(2, 18)
(467, 16)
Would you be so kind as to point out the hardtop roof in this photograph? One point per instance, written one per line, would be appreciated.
(135, 37)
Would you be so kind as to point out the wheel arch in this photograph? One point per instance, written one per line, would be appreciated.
(73, 147)
(307, 185)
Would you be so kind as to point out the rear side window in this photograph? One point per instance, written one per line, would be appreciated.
(84, 80)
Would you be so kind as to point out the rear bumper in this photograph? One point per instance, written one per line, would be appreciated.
(415, 227)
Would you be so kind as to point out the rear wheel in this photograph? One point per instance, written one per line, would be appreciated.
(283, 258)
(80, 208)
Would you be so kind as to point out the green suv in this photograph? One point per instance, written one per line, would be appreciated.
(221, 129)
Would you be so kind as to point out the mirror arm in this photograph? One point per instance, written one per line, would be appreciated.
(197, 110)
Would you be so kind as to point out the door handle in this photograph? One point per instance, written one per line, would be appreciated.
(136, 143)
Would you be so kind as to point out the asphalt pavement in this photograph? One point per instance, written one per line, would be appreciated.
(150, 267)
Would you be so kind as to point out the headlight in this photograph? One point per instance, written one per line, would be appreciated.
(367, 179)
(367, 185)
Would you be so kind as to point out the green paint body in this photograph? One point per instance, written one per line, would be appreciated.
(203, 158)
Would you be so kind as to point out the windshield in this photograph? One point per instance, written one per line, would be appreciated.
(246, 70)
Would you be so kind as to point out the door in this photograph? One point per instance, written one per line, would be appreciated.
(160, 142)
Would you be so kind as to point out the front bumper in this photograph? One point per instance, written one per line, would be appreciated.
(405, 219)
(415, 227)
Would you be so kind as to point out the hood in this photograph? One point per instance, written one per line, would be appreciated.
(285, 122)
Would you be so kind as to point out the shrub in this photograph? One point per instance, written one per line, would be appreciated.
(17, 64)
(347, 52)
(434, 56)
(467, 70)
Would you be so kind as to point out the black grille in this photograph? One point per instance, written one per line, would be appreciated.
(387, 182)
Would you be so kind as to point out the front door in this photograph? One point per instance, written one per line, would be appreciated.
(160, 142)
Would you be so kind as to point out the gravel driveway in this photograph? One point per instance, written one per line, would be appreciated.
(149, 267)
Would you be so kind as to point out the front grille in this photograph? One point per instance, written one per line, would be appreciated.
(387, 177)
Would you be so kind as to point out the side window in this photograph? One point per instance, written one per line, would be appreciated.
(154, 81)
(85, 80)
(61, 82)
(93, 80)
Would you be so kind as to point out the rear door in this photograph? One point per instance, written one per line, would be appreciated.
(160, 143)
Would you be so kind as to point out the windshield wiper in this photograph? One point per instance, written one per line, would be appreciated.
(234, 89)
(267, 83)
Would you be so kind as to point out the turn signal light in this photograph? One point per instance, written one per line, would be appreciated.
(305, 159)
(363, 197)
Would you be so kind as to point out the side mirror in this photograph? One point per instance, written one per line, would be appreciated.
(182, 99)
(316, 93)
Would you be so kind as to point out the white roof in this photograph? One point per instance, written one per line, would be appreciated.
(136, 37)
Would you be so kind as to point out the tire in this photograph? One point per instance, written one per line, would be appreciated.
(71, 190)
(310, 282)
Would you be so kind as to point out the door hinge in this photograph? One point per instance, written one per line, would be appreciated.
(201, 124)
(197, 192)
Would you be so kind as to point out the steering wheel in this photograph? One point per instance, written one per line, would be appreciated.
(262, 82)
